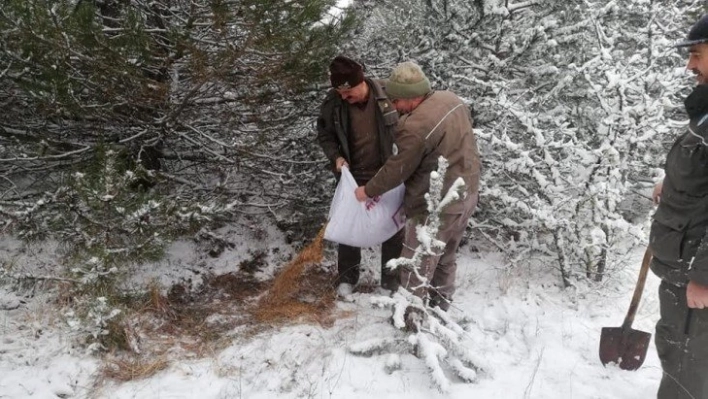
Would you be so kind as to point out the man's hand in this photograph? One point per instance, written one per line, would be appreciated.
(656, 194)
(339, 163)
(697, 295)
(360, 193)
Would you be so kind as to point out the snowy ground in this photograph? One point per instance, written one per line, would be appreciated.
(533, 340)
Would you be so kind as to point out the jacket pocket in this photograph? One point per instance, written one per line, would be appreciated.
(668, 232)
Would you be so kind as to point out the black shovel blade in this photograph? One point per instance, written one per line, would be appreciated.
(625, 347)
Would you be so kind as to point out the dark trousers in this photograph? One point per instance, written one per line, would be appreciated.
(682, 345)
(349, 262)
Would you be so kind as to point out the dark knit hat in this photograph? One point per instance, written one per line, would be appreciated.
(345, 73)
(697, 34)
(407, 80)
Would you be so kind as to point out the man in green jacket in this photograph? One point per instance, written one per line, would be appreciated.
(434, 124)
(355, 128)
(679, 244)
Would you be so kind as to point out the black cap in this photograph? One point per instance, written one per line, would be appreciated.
(698, 33)
(345, 73)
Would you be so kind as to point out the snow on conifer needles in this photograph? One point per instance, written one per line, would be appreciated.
(429, 332)
(438, 340)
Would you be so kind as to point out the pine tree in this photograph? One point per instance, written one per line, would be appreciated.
(207, 103)
(573, 103)
(128, 123)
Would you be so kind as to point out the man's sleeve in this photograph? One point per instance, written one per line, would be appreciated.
(398, 168)
(698, 271)
(326, 135)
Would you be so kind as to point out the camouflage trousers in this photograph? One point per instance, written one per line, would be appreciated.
(682, 345)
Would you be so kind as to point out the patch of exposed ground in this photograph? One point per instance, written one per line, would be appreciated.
(193, 323)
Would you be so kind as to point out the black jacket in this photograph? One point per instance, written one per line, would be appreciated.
(679, 226)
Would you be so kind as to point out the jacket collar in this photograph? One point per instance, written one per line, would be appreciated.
(377, 88)
(697, 103)
(697, 108)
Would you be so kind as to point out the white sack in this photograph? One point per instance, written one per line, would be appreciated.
(363, 224)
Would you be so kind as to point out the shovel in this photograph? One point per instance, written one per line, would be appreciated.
(623, 345)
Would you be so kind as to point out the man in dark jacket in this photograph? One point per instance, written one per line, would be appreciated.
(355, 128)
(434, 124)
(679, 244)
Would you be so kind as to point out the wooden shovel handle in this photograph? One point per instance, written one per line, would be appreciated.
(629, 319)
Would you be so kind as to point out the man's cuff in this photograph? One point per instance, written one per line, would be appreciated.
(698, 276)
(370, 190)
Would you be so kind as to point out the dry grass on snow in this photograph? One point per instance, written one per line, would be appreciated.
(195, 324)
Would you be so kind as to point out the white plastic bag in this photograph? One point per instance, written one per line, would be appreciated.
(363, 224)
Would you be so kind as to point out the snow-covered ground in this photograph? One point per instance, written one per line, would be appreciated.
(531, 338)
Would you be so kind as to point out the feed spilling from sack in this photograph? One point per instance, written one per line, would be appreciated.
(301, 290)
